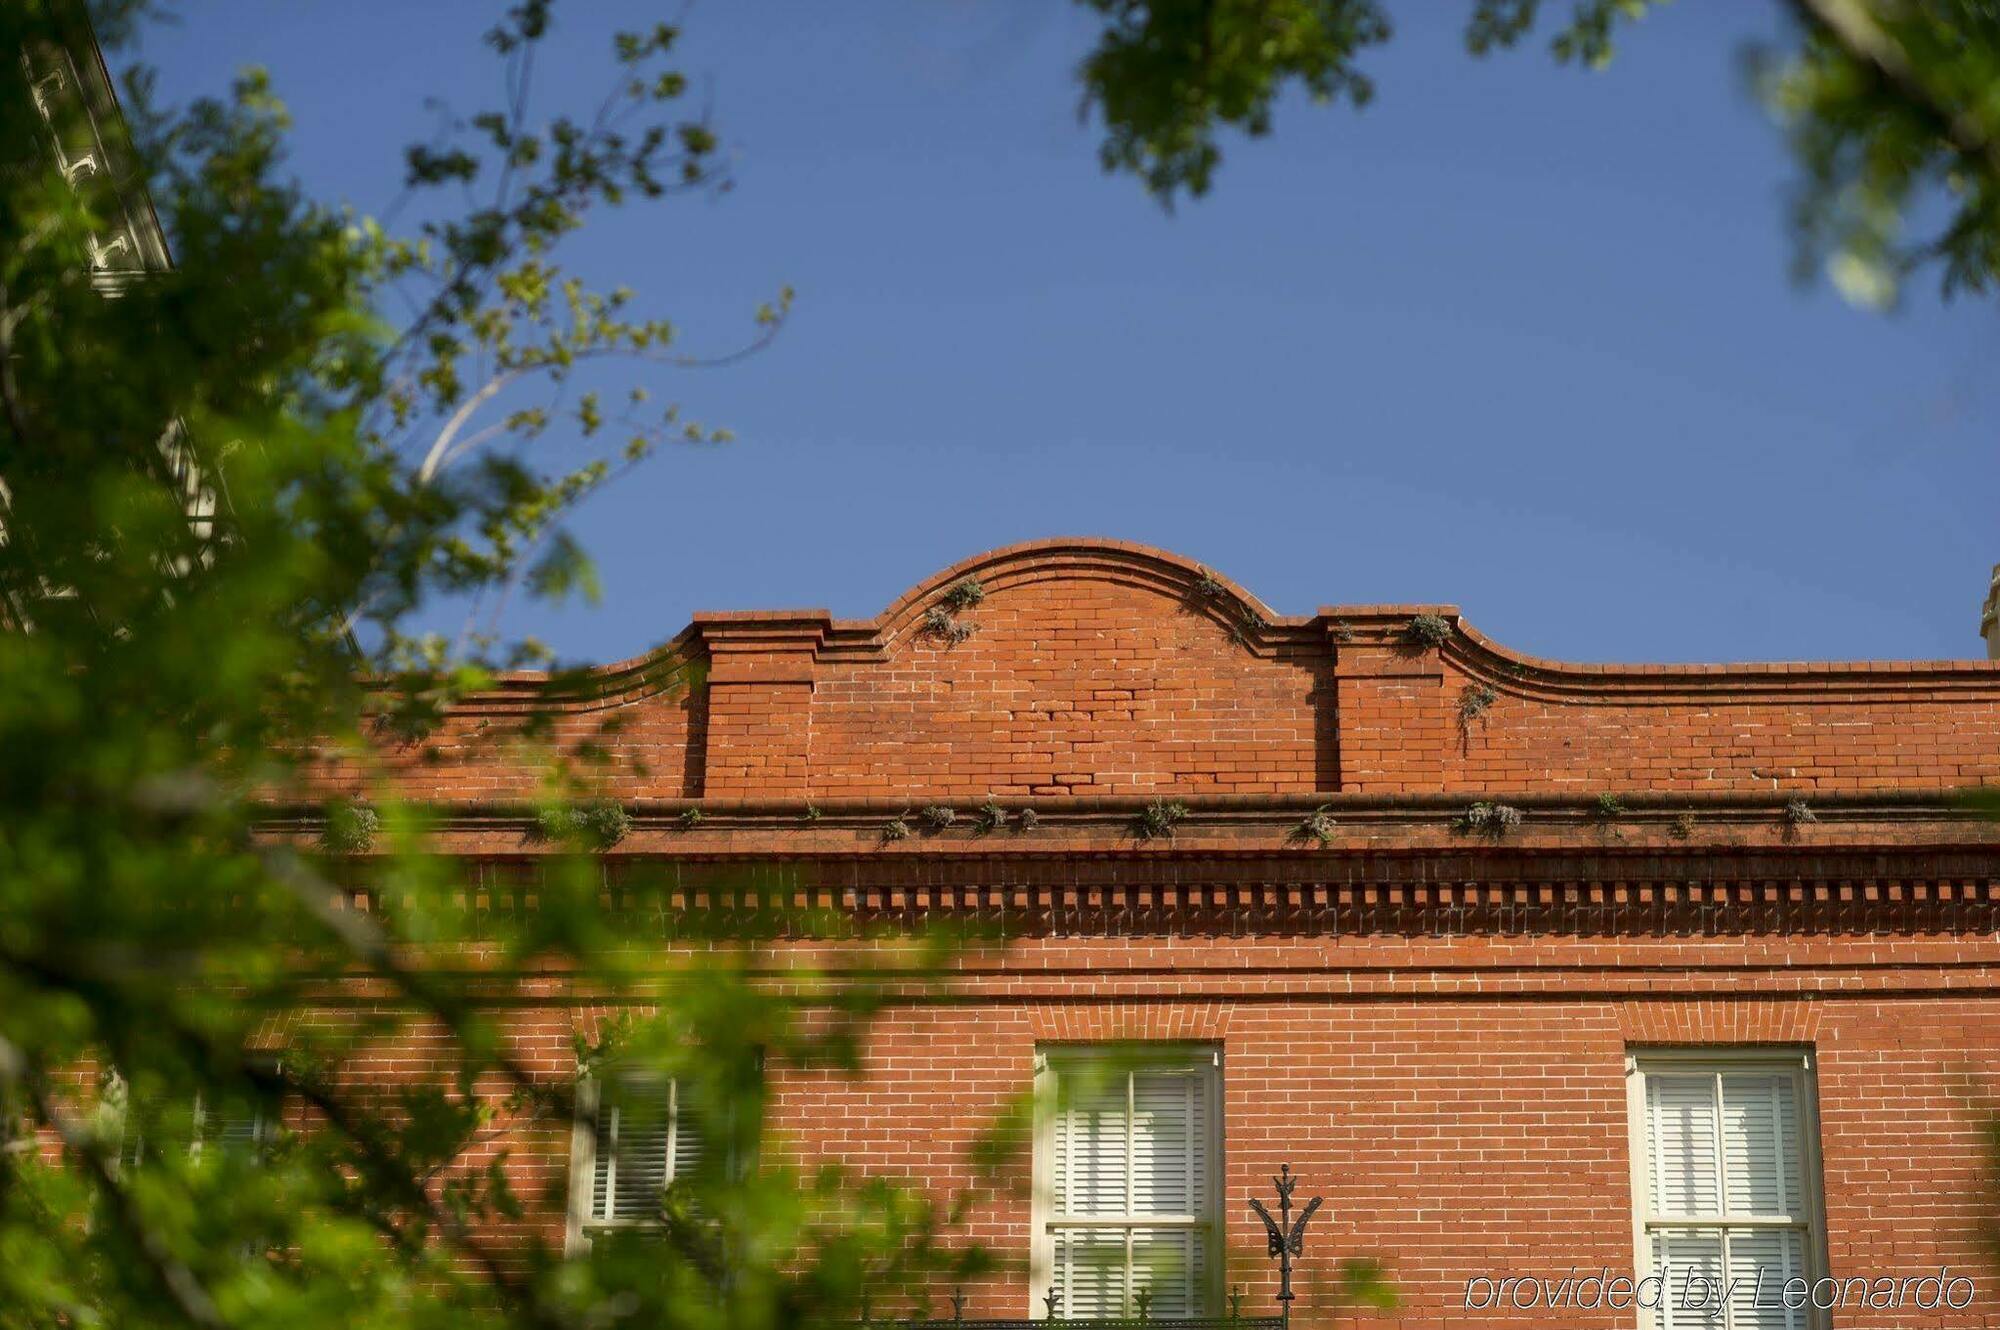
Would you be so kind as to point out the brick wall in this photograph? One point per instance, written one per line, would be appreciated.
(1460, 1103)
(1430, 1025)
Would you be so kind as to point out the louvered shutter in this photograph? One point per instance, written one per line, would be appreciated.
(1728, 1191)
(1093, 1140)
(234, 1126)
(190, 1126)
(1760, 1156)
(643, 1140)
(238, 1129)
(1167, 1145)
(1090, 1271)
(632, 1157)
(1169, 1177)
(1685, 1175)
(1779, 1254)
(1685, 1253)
(1133, 1146)
(688, 1145)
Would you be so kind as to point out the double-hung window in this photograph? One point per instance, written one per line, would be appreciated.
(634, 1136)
(1128, 1169)
(1727, 1182)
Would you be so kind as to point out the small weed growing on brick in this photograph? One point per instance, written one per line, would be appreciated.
(600, 823)
(604, 822)
(963, 595)
(938, 623)
(1159, 818)
(1489, 819)
(350, 827)
(1318, 826)
(1427, 630)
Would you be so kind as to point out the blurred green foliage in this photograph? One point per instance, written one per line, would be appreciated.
(228, 486)
(1892, 108)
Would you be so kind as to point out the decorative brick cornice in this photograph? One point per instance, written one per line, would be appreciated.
(1920, 909)
(1556, 833)
(1087, 669)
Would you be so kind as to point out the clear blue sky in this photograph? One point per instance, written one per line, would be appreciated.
(1515, 337)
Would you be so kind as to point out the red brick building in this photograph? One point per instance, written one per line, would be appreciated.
(1528, 968)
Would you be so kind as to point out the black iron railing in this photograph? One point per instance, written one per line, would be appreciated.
(1100, 1323)
(1284, 1240)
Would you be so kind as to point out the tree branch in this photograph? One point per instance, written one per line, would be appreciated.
(391, 1169)
(434, 458)
(10, 394)
(371, 948)
(1850, 23)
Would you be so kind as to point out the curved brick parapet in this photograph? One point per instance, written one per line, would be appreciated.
(1090, 668)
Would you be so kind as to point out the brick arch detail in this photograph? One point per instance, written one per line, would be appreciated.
(1112, 1022)
(1719, 1021)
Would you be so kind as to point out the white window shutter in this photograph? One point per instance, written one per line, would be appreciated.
(1132, 1146)
(632, 1161)
(232, 1127)
(239, 1129)
(1778, 1254)
(1730, 1193)
(1682, 1110)
(689, 1147)
(1760, 1143)
(1167, 1130)
(1090, 1272)
(644, 1137)
(1169, 1263)
(1696, 1253)
(1093, 1140)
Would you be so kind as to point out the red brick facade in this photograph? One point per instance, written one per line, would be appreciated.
(1431, 1023)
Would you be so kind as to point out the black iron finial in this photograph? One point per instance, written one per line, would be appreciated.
(1054, 1301)
(1236, 1302)
(1284, 1237)
(958, 1304)
(864, 1309)
(1144, 1297)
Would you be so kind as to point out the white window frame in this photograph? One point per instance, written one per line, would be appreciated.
(1803, 1067)
(1137, 1057)
(582, 1225)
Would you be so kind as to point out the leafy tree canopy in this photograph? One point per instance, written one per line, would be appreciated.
(1892, 108)
(230, 488)
(229, 485)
